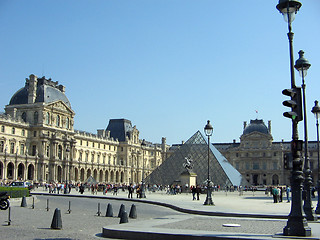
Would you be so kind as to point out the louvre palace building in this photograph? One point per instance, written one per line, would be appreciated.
(38, 142)
(259, 159)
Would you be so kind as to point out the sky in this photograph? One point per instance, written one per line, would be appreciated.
(166, 65)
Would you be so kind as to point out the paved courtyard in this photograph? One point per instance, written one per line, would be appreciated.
(84, 223)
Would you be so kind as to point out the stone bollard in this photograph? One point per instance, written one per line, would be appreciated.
(121, 210)
(124, 217)
(23, 202)
(109, 212)
(133, 212)
(56, 220)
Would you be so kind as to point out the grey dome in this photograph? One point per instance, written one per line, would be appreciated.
(256, 126)
(46, 91)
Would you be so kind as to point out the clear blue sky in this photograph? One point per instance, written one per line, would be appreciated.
(166, 65)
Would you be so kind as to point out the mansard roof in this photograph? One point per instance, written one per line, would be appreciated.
(120, 129)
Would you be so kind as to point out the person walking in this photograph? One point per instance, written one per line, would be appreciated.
(198, 191)
(130, 190)
(288, 190)
(193, 190)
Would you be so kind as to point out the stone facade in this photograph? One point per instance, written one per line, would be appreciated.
(259, 159)
(38, 142)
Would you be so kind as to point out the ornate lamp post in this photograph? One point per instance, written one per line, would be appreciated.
(297, 224)
(208, 129)
(143, 192)
(316, 111)
(302, 65)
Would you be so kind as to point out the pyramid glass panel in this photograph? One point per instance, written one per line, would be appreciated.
(196, 149)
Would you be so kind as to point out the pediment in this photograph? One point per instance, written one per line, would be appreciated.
(60, 106)
(256, 135)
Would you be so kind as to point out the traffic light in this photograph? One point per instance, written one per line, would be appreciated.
(295, 103)
(287, 161)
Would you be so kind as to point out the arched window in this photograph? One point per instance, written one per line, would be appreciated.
(35, 117)
(13, 130)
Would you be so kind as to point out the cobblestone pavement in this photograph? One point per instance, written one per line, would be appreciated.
(83, 222)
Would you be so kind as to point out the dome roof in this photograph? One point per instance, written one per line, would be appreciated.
(256, 126)
(46, 91)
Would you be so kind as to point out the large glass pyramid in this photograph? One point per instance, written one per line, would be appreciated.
(196, 148)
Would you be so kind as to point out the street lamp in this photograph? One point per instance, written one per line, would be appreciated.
(302, 65)
(143, 192)
(208, 129)
(297, 224)
(316, 111)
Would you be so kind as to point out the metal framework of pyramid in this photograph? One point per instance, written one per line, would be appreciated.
(196, 148)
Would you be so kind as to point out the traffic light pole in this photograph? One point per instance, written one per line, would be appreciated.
(296, 224)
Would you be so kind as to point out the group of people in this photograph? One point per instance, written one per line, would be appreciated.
(278, 191)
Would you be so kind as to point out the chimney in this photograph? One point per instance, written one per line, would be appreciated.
(163, 144)
(269, 126)
(32, 89)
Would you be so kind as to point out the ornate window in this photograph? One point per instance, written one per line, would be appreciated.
(21, 149)
(256, 166)
(23, 132)
(1, 146)
(60, 152)
(67, 123)
(35, 117)
(58, 121)
(34, 150)
(48, 151)
(2, 129)
(12, 148)
(48, 118)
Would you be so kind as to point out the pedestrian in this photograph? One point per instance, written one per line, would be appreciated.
(288, 190)
(81, 189)
(275, 194)
(193, 190)
(130, 190)
(198, 191)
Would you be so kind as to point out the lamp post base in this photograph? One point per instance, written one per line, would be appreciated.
(208, 201)
(297, 227)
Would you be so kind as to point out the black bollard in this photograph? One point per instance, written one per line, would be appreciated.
(121, 210)
(47, 205)
(32, 203)
(23, 202)
(133, 212)
(69, 210)
(109, 212)
(56, 220)
(99, 213)
(9, 216)
(124, 217)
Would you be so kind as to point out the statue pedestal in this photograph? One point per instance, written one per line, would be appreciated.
(188, 178)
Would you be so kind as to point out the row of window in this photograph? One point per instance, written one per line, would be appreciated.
(58, 119)
(13, 130)
(111, 148)
(12, 148)
(263, 166)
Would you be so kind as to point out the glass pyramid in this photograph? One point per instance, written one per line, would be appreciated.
(196, 148)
